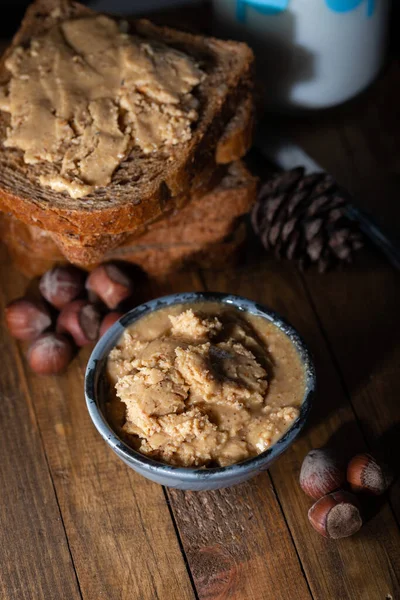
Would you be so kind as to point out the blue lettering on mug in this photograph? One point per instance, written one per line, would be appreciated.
(265, 7)
(273, 7)
(348, 5)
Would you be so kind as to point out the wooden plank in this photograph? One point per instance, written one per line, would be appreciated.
(118, 524)
(366, 566)
(237, 543)
(359, 308)
(359, 311)
(236, 540)
(34, 555)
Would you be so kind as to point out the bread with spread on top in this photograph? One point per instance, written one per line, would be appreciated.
(145, 184)
(233, 144)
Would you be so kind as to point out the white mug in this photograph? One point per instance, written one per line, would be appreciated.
(310, 53)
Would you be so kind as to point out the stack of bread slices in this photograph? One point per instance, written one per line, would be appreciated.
(161, 210)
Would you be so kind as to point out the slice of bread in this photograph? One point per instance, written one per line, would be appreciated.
(160, 260)
(203, 219)
(233, 144)
(144, 185)
(203, 222)
(156, 261)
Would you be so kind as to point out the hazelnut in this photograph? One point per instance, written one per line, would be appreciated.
(61, 285)
(81, 320)
(336, 515)
(110, 284)
(27, 319)
(365, 474)
(321, 473)
(109, 320)
(50, 354)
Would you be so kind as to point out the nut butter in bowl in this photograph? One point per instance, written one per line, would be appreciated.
(199, 390)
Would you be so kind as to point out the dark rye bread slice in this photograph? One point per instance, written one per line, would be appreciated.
(160, 260)
(144, 185)
(90, 248)
(204, 218)
(203, 221)
(157, 261)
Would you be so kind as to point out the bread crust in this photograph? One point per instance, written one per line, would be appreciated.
(238, 135)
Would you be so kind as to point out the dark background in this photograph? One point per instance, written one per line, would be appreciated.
(13, 10)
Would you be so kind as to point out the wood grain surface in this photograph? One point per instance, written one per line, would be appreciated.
(120, 533)
(35, 559)
(76, 523)
(333, 422)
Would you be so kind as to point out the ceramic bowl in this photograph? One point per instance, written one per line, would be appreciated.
(182, 477)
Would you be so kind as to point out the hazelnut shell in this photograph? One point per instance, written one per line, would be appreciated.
(81, 320)
(27, 319)
(110, 284)
(336, 515)
(61, 285)
(50, 354)
(321, 473)
(365, 474)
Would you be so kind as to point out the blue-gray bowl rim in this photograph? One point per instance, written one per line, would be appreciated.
(97, 362)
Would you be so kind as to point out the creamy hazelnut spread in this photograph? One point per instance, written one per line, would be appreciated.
(203, 384)
(83, 94)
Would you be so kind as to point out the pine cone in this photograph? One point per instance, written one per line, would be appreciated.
(303, 217)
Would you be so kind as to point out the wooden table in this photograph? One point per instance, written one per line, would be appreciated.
(76, 523)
